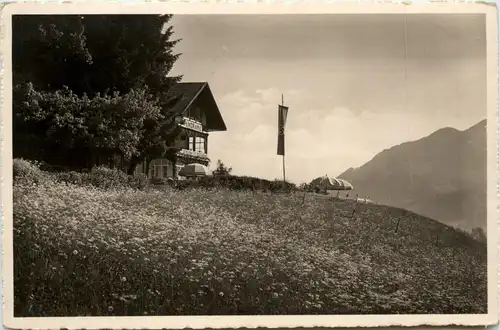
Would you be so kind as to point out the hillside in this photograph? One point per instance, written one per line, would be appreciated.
(442, 176)
(80, 250)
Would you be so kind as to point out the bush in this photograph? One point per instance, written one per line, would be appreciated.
(237, 183)
(26, 171)
(161, 181)
(280, 186)
(46, 167)
(105, 178)
(73, 177)
(193, 183)
(138, 181)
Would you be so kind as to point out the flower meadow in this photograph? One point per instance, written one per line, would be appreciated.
(82, 250)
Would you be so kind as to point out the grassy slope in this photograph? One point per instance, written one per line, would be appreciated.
(82, 251)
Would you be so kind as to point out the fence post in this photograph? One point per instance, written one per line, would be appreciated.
(397, 225)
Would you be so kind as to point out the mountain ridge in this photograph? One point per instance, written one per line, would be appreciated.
(441, 176)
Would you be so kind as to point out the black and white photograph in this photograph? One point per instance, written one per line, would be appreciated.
(276, 166)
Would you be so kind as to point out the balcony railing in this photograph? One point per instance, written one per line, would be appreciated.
(192, 153)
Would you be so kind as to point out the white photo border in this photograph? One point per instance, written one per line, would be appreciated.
(285, 321)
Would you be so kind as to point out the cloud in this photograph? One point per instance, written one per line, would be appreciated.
(320, 139)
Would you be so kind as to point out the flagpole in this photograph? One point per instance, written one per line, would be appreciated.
(284, 177)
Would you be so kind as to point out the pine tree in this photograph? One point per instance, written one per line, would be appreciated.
(92, 87)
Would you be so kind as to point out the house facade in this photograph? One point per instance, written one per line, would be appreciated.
(197, 116)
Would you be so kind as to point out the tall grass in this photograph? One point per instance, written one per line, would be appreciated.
(84, 250)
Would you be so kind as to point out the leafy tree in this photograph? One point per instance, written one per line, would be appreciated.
(79, 126)
(93, 87)
(222, 169)
(158, 138)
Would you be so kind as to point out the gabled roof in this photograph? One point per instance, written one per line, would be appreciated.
(186, 92)
(199, 93)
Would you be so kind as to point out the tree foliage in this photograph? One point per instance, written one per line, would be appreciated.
(89, 88)
(222, 169)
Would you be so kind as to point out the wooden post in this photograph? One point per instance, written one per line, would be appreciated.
(206, 144)
(284, 176)
(397, 225)
(174, 167)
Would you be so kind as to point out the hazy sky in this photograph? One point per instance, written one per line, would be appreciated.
(350, 90)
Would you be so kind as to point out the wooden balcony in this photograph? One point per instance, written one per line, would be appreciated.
(191, 156)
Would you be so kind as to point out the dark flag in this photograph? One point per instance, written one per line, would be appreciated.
(282, 113)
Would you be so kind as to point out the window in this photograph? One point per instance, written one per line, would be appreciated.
(191, 143)
(182, 141)
(200, 144)
(196, 143)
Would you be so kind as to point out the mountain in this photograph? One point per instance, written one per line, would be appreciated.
(441, 176)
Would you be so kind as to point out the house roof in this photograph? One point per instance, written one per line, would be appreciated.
(199, 93)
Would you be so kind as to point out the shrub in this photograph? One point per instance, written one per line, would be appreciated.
(238, 183)
(103, 177)
(73, 177)
(27, 171)
(222, 169)
(161, 181)
(194, 183)
(280, 186)
(46, 167)
(138, 181)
